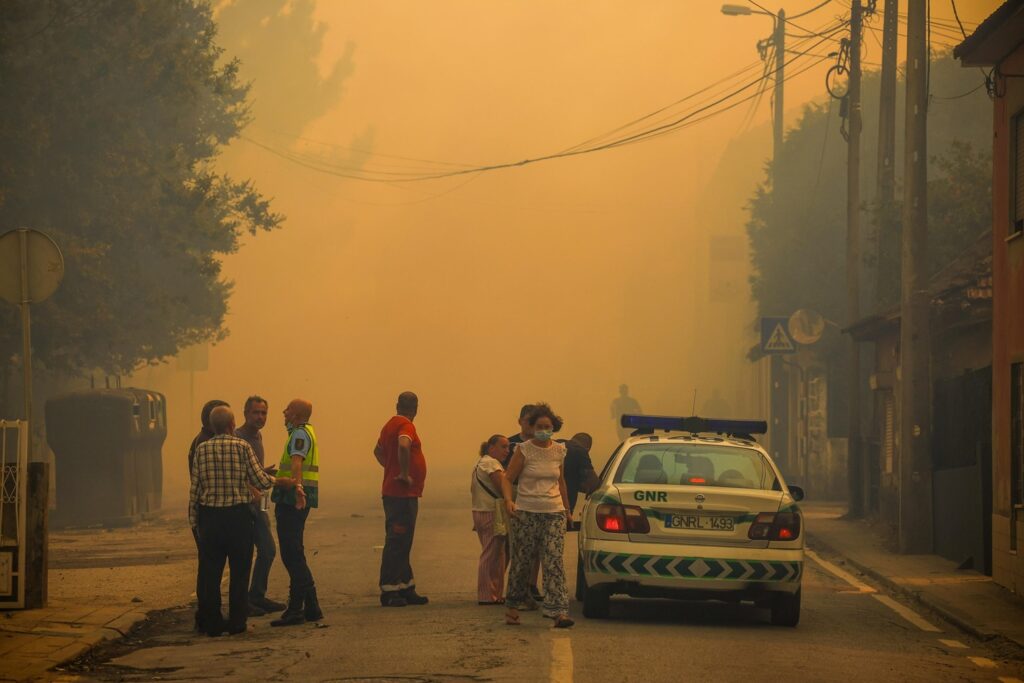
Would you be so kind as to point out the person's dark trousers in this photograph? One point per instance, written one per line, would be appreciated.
(291, 525)
(399, 528)
(199, 618)
(265, 553)
(224, 534)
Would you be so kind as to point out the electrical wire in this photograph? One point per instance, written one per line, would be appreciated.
(690, 118)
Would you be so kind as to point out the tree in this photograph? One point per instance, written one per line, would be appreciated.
(113, 114)
(797, 229)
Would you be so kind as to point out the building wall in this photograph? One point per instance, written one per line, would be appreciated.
(1008, 325)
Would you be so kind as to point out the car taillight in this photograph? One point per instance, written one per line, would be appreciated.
(622, 519)
(775, 526)
(636, 520)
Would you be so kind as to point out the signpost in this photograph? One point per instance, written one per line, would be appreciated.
(31, 269)
(775, 336)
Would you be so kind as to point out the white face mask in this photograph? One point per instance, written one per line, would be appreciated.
(543, 434)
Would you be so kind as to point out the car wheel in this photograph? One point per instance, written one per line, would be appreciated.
(581, 579)
(786, 609)
(596, 603)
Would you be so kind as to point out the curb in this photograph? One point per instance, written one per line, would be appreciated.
(945, 613)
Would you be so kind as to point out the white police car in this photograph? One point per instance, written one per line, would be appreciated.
(699, 512)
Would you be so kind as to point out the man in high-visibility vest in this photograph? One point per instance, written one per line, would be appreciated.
(295, 495)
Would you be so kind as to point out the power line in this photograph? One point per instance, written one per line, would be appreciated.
(686, 120)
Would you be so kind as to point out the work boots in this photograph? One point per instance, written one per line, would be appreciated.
(312, 611)
(292, 616)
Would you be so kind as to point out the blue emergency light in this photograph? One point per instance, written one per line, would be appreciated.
(648, 424)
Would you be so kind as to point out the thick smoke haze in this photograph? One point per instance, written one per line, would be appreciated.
(558, 281)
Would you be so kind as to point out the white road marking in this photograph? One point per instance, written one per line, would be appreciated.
(956, 644)
(907, 613)
(983, 662)
(561, 659)
(841, 573)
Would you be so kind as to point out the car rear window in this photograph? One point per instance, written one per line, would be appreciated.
(696, 464)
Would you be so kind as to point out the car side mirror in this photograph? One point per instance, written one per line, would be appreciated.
(797, 493)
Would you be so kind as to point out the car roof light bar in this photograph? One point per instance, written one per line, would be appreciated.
(648, 424)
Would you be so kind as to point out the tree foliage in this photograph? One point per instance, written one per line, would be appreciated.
(797, 225)
(112, 116)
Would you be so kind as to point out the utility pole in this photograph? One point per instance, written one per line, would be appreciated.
(915, 470)
(779, 40)
(885, 193)
(779, 376)
(855, 471)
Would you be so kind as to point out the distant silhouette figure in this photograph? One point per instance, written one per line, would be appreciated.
(716, 406)
(624, 404)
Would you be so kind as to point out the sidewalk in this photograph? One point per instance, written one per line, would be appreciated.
(966, 598)
(34, 641)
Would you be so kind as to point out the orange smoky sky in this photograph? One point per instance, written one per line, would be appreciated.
(556, 281)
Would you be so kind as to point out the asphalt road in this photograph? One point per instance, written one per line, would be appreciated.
(849, 631)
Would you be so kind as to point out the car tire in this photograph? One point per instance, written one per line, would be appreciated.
(581, 579)
(596, 603)
(786, 609)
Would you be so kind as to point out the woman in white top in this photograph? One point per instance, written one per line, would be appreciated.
(538, 518)
(486, 490)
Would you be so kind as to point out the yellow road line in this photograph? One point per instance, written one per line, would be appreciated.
(953, 643)
(907, 613)
(841, 573)
(561, 659)
(983, 662)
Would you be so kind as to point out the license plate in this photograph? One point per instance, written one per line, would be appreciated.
(700, 522)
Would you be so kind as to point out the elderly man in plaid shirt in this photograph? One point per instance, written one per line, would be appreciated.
(224, 475)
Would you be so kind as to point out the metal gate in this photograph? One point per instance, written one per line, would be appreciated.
(13, 482)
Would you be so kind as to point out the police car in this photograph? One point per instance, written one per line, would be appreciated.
(697, 512)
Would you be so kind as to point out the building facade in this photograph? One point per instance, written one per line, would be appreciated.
(998, 45)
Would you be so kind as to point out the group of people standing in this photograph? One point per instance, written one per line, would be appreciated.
(228, 513)
(229, 503)
(524, 489)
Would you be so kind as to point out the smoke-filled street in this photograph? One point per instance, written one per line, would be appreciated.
(845, 631)
(390, 340)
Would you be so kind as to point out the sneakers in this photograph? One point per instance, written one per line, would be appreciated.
(412, 597)
(312, 610)
(292, 616)
(392, 599)
(266, 604)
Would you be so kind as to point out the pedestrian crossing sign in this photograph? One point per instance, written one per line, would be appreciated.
(775, 337)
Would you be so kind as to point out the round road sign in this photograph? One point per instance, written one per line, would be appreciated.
(45, 266)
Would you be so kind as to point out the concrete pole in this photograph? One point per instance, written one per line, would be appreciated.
(26, 335)
(779, 40)
(915, 471)
(885, 192)
(855, 472)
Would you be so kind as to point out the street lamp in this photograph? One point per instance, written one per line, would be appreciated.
(736, 10)
(778, 39)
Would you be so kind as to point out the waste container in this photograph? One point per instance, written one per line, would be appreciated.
(107, 455)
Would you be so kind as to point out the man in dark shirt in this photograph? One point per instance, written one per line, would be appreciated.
(525, 431)
(255, 413)
(580, 476)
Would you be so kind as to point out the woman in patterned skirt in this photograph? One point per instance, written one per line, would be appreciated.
(538, 519)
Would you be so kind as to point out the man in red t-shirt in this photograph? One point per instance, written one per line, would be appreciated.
(400, 452)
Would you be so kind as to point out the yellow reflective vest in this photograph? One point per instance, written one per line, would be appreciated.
(310, 469)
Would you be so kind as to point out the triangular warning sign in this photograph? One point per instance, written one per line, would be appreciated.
(779, 341)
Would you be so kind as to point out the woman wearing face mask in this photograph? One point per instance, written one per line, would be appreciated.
(538, 518)
(486, 490)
